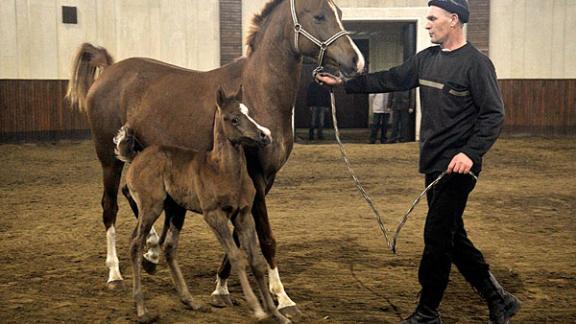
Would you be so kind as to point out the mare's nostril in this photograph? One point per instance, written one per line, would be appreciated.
(355, 59)
(262, 135)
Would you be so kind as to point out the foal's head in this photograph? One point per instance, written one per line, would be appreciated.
(236, 122)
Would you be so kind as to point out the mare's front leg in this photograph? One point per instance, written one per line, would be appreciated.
(177, 215)
(244, 226)
(268, 246)
(218, 221)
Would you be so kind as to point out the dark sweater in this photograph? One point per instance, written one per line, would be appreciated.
(462, 108)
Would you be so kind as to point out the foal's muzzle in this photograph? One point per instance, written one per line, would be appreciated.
(264, 139)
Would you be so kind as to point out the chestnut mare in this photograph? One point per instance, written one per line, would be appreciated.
(172, 106)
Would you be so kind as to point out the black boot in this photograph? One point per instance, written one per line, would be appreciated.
(311, 134)
(502, 304)
(423, 315)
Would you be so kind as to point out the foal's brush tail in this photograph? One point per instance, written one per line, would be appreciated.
(89, 59)
(126, 144)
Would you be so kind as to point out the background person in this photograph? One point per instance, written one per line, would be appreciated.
(318, 100)
(400, 106)
(380, 116)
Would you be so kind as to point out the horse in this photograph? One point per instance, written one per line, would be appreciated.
(169, 105)
(214, 183)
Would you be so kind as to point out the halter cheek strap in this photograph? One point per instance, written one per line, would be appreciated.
(298, 29)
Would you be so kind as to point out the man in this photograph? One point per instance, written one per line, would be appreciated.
(318, 100)
(462, 114)
(380, 116)
(400, 104)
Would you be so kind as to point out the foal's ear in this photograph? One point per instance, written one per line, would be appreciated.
(238, 95)
(220, 96)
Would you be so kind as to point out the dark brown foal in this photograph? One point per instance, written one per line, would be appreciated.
(214, 183)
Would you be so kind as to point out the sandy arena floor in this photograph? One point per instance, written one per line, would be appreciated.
(332, 256)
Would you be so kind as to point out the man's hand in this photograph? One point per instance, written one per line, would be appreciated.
(460, 163)
(328, 79)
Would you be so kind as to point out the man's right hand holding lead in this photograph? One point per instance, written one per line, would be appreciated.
(328, 79)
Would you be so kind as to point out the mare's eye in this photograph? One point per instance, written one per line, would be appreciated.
(319, 17)
(235, 121)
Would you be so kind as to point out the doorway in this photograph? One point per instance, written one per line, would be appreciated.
(384, 44)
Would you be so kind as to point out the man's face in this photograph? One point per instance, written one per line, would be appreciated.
(438, 25)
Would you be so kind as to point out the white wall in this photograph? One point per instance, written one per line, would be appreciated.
(35, 44)
(528, 39)
(533, 39)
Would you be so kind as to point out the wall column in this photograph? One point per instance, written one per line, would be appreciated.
(230, 30)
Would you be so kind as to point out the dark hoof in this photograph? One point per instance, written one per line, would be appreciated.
(291, 312)
(221, 301)
(147, 318)
(116, 285)
(148, 266)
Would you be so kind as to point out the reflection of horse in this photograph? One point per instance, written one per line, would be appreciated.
(167, 105)
(215, 183)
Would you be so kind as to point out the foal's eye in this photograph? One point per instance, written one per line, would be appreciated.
(319, 18)
(235, 121)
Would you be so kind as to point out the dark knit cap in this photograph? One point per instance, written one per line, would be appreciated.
(459, 7)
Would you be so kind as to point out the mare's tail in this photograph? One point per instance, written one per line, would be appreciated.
(88, 61)
(126, 144)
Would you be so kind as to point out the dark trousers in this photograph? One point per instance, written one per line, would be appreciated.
(400, 123)
(379, 122)
(445, 239)
(317, 121)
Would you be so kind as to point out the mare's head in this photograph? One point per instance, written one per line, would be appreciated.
(323, 19)
(236, 123)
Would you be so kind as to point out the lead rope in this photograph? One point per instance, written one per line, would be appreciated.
(390, 243)
(353, 174)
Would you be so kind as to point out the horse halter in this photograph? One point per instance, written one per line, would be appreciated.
(298, 29)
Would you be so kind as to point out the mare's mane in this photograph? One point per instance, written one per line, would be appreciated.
(257, 23)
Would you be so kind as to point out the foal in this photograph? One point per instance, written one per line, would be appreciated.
(215, 183)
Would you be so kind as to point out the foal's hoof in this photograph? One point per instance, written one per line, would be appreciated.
(291, 312)
(149, 267)
(221, 301)
(198, 307)
(115, 285)
(148, 318)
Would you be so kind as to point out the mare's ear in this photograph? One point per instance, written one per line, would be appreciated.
(220, 96)
(238, 95)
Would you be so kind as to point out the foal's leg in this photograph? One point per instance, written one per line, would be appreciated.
(152, 256)
(170, 251)
(111, 172)
(149, 212)
(218, 221)
(244, 224)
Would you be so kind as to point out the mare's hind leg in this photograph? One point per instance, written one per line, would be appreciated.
(244, 224)
(153, 242)
(218, 221)
(170, 250)
(221, 295)
(111, 176)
